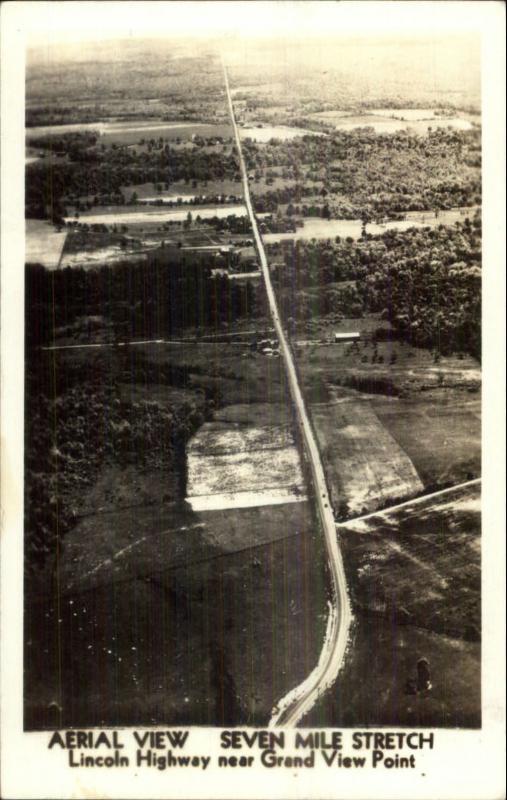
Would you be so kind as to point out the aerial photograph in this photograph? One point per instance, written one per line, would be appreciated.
(252, 464)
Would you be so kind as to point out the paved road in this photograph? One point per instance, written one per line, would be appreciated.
(298, 702)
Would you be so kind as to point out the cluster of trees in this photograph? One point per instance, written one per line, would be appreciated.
(231, 224)
(370, 176)
(77, 420)
(72, 143)
(280, 224)
(104, 170)
(426, 282)
(288, 194)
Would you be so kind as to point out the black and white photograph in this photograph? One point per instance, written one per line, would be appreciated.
(252, 371)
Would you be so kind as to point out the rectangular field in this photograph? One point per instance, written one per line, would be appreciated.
(365, 466)
(431, 410)
(136, 216)
(233, 466)
(442, 439)
(131, 132)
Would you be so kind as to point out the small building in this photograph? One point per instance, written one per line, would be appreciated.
(351, 336)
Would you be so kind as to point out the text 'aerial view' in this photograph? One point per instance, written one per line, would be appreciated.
(253, 382)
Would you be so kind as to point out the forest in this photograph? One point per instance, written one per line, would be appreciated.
(368, 176)
(426, 282)
(167, 293)
(93, 423)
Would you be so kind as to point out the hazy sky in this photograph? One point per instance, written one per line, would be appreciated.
(53, 22)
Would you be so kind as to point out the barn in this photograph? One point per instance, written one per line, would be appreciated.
(351, 336)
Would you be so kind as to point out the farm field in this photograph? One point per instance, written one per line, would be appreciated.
(377, 120)
(136, 217)
(231, 465)
(131, 132)
(138, 551)
(43, 243)
(432, 412)
(411, 557)
(315, 228)
(443, 438)
(365, 466)
(386, 653)
(186, 643)
(415, 583)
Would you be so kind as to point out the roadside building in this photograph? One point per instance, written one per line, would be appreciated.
(350, 336)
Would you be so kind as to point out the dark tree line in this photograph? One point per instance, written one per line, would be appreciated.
(166, 294)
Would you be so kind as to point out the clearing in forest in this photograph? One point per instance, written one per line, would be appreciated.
(233, 466)
(43, 243)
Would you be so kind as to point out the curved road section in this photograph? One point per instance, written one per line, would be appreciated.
(293, 707)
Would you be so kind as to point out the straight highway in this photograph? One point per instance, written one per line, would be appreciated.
(292, 708)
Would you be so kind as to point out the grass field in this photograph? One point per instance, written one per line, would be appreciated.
(382, 123)
(133, 215)
(432, 411)
(385, 655)
(168, 615)
(365, 466)
(316, 228)
(421, 563)
(132, 131)
(232, 465)
(43, 244)
(215, 641)
(442, 436)
(128, 133)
